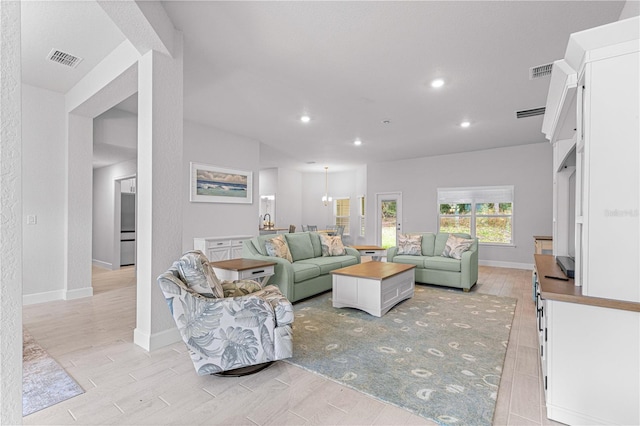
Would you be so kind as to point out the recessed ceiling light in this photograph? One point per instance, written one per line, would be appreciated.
(386, 121)
(465, 124)
(305, 118)
(357, 142)
(438, 82)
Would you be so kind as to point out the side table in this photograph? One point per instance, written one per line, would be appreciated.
(244, 269)
(375, 252)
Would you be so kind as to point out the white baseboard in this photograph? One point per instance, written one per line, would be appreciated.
(101, 264)
(50, 296)
(511, 265)
(47, 296)
(156, 340)
(78, 293)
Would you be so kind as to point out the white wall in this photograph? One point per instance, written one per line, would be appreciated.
(288, 196)
(43, 171)
(104, 213)
(350, 183)
(215, 147)
(528, 168)
(631, 8)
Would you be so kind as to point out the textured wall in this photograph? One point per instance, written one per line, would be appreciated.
(208, 145)
(160, 189)
(527, 167)
(10, 214)
(43, 161)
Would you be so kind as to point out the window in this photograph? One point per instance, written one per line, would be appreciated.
(485, 212)
(361, 214)
(341, 211)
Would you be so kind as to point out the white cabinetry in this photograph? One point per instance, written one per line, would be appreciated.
(220, 248)
(608, 162)
(589, 352)
(590, 329)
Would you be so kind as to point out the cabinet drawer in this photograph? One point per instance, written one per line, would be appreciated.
(218, 243)
(237, 243)
(251, 274)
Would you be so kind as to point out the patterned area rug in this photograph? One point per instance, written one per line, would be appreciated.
(438, 354)
(44, 381)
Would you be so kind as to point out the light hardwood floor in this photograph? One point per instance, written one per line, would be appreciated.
(92, 339)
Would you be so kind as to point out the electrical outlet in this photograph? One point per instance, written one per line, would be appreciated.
(32, 219)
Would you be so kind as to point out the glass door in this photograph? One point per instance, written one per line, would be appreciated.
(389, 218)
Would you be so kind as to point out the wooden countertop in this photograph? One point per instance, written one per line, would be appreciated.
(542, 237)
(367, 247)
(241, 264)
(373, 270)
(567, 291)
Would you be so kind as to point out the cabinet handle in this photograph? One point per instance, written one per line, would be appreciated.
(369, 252)
(258, 272)
(540, 318)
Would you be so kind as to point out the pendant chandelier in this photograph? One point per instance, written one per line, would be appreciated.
(326, 199)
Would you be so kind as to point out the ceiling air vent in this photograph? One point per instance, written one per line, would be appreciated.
(540, 71)
(530, 112)
(64, 58)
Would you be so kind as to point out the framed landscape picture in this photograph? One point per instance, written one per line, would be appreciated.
(211, 184)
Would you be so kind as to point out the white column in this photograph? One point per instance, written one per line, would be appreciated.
(161, 190)
(11, 215)
(79, 205)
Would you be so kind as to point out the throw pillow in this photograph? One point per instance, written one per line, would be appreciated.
(240, 288)
(278, 247)
(410, 244)
(194, 269)
(332, 245)
(455, 246)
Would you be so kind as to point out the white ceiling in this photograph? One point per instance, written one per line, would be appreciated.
(252, 68)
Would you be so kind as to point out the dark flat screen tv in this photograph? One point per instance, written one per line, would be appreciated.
(567, 264)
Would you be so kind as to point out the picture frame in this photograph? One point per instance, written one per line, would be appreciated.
(213, 184)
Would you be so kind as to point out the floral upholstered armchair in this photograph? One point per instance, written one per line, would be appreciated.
(226, 325)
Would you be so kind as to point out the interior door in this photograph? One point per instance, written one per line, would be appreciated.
(388, 218)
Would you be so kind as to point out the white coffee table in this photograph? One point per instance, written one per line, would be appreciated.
(374, 287)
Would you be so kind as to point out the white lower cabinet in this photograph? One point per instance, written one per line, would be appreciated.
(590, 359)
(220, 248)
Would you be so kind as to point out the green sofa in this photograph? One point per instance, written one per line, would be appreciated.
(432, 268)
(309, 274)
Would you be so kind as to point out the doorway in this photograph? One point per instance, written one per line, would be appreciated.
(388, 218)
(127, 235)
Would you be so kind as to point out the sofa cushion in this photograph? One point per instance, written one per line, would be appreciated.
(347, 260)
(442, 263)
(259, 243)
(440, 243)
(304, 271)
(410, 244)
(315, 242)
(410, 260)
(299, 245)
(277, 246)
(428, 241)
(332, 245)
(456, 246)
(326, 264)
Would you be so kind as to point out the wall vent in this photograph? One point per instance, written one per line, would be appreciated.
(64, 58)
(530, 112)
(540, 71)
